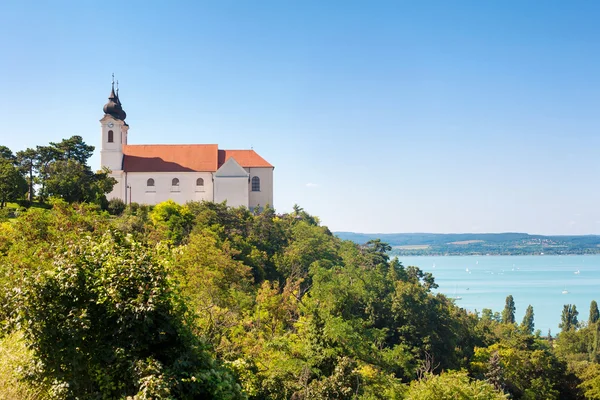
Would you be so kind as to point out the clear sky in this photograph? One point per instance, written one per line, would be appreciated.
(399, 116)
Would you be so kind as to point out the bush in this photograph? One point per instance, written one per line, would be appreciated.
(452, 385)
(116, 206)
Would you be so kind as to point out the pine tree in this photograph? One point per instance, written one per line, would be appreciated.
(594, 313)
(508, 314)
(527, 324)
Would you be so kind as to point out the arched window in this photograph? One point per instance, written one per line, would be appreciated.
(150, 182)
(175, 185)
(199, 185)
(255, 184)
(111, 137)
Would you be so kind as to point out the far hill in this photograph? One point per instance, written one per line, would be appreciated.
(510, 243)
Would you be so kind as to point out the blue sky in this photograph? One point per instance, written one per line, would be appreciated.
(449, 116)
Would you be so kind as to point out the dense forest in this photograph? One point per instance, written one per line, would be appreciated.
(456, 244)
(205, 301)
(102, 300)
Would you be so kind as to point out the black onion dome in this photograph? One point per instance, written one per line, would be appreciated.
(123, 113)
(113, 107)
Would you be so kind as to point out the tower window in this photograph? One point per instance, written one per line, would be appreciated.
(111, 137)
(255, 184)
(150, 182)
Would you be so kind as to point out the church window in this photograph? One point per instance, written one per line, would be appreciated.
(111, 138)
(255, 184)
(199, 185)
(150, 182)
(175, 185)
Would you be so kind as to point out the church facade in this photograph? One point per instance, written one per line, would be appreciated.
(153, 173)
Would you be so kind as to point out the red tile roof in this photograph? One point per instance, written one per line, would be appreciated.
(246, 158)
(170, 158)
(185, 158)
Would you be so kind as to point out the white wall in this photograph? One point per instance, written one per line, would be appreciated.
(119, 188)
(163, 191)
(234, 189)
(265, 196)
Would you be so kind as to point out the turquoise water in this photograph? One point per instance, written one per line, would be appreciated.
(485, 281)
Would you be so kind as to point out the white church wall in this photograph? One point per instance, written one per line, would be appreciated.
(163, 190)
(265, 195)
(234, 189)
(119, 188)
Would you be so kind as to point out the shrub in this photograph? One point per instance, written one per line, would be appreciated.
(116, 206)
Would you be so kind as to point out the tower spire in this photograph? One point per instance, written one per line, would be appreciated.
(112, 88)
(114, 107)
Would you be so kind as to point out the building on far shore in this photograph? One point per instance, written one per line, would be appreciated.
(153, 173)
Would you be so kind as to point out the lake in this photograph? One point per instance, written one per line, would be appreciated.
(545, 282)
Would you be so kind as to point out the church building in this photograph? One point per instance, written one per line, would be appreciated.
(153, 173)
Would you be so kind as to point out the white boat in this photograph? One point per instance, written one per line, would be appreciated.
(565, 291)
(455, 296)
(577, 272)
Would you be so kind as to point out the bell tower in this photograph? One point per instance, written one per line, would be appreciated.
(114, 131)
(114, 135)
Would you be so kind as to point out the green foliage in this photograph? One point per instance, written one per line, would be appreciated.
(26, 160)
(508, 314)
(452, 385)
(153, 302)
(116, 206)
(568, 319)
(174, 219)
(106, 321)
(526, 368)
(12, 184)
(594, 313)
(527, 325)
(590, 384)
(75, 182)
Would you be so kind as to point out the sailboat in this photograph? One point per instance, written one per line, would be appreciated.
(577, 272)
(455, 296)
(565, 291)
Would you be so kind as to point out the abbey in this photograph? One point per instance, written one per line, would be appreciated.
(152, 173)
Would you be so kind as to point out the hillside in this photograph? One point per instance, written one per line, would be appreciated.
(510, 243)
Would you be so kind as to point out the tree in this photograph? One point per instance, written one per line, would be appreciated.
(45, 156)
(75, 182)
(494, 373)
(508, 314)
(594, 313)
(26, 160)
(107, 322)
(12, 184)
(527, 324)
(568, 318)
(74, 148)
(6, 154)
